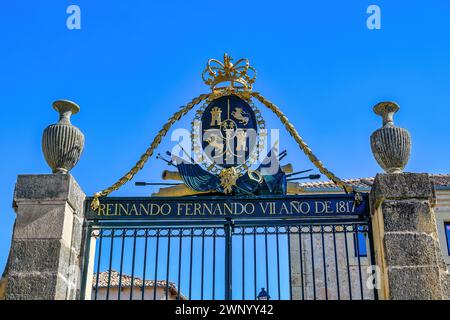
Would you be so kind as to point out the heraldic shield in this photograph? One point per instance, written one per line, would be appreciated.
(229, 131)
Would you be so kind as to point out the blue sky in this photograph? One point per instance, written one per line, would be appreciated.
(133, 63)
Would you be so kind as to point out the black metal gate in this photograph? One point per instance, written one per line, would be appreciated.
(301, 258)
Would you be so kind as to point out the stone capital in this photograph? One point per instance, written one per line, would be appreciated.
(49, 189)
(402, 186)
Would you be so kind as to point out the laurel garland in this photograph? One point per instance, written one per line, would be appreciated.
(183, 111)
(303, 146)
(149, 152)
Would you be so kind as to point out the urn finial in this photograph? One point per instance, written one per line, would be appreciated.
(391, 145)
(63, 143)
(386, 110)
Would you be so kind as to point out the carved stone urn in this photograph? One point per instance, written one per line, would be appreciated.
(63, 143)
(391, 145)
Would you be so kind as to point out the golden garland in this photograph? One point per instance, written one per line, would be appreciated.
(179, 114)
(303, 146)
(149, 152)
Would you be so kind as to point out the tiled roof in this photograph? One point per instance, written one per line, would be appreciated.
(126, 282)
(439, 180)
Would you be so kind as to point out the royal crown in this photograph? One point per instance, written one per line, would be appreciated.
(239, 76)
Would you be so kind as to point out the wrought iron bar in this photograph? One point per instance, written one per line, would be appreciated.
(156, 263)
(98, 263)
(338, 289)
(168, 264)
(145, 264)
(111, 250)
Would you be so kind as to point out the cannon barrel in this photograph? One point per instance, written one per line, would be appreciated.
(171, 175)
(288, 168)
(180, 190)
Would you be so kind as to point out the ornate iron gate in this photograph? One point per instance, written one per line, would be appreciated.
(303, 257)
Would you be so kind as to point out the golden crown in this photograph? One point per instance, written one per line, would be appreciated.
(239, 76)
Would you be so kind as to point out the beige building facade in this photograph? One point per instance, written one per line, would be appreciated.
(328, 266)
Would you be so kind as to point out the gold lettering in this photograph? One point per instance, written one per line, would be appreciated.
(154, 212)
(122, 209)
(323, 207)
(133, 210)
(179, 210)
(167, 210)
(304, 207)
(264, 207)
(272, 208)
(208, 208)
(228, 207)
(252, 206)
(284, 208)
(218, 209)
(328, 207)
(188, 209)
(142, 207)
(101, 210)
(197, 209)
(295, 206)
(108, 209)
(236, 211)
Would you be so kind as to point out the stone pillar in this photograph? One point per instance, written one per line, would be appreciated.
(46, 250)
(405, 238)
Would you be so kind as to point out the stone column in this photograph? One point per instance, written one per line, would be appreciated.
(405, 238)
(46, 251)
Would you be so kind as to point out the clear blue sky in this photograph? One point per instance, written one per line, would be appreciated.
(134, 63)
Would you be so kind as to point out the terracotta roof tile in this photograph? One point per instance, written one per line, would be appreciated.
(439, 180)
(126, 282)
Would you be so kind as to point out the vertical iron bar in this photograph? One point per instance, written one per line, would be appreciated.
(228, 260)
(203, 262)
(300, 247)
(179, 263)
(372, 254)
(359, 262)
(289, 260)
(190, 264)
(312, 261)
(254, 263)
(98, 262)
(336, 263)
(145, 264)
(348, 263)
(121, 264)
(133, 263)
(168, 263)
(86, 262)
(214, 265)
(322, 231)
(278, 261)
(267, 260)
(155, 284)
(243, 263)
(110, 263)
